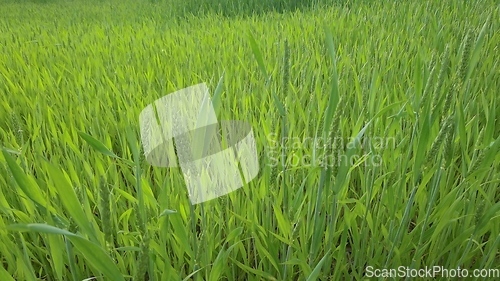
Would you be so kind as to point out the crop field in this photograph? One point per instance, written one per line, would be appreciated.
(375, 124)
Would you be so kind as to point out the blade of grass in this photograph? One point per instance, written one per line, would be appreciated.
(94, 254)
(70, 201)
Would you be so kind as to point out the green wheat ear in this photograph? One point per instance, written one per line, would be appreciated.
(448, 143)
(465, 58)
(479, 213)
(478, 162)
(143, 259)
(286, 67)
(443, 74)
(479, 139)
(334, 129)
(449, 99)
(446, 128)
(459, 78)
(426, 92)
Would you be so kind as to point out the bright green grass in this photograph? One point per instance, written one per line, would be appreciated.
(421, 77)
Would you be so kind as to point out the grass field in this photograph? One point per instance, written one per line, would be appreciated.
(376, 125)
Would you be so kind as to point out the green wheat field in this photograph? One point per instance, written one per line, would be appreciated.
(376, 127)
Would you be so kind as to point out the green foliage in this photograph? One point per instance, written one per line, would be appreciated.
(376, 127)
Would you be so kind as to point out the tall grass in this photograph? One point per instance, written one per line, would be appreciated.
(376, 126)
